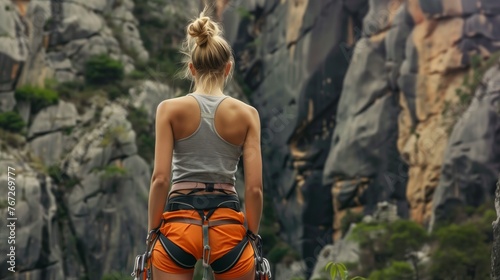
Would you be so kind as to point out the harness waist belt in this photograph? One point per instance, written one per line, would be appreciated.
(203, 202)
(206, 186)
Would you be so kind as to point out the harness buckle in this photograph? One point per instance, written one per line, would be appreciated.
(206, 256)
(209, 187)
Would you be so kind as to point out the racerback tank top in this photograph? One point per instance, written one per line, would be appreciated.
(205, 156)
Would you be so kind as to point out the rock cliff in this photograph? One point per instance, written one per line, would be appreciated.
(375, 101)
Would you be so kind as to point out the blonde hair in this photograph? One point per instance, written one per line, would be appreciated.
(208, 51)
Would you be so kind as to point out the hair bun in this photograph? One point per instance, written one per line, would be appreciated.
(202, 30)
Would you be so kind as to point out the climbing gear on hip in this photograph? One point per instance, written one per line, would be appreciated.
(205, 205)
(262, 266)
(142, 263)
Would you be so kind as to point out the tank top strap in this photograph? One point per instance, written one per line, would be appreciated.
(208, 104)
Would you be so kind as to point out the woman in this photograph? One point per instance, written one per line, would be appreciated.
(199, 140)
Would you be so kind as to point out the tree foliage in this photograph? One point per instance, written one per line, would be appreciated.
(102, 69)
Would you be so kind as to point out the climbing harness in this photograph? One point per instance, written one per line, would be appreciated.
(205, 205)
(142, 263)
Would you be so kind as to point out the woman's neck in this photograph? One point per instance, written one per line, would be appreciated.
(214, 92)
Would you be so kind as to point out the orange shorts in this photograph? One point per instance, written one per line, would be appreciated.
(222, 239)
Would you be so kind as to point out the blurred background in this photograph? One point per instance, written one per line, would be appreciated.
(380, 131)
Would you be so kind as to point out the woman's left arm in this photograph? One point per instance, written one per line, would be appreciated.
(160, 180)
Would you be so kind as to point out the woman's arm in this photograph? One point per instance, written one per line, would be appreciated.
(252, 164)
(160, 180)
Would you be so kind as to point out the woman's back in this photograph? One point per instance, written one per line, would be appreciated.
(210, 153)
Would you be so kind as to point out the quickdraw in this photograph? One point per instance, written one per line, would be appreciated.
(262, 266)
(142, 263)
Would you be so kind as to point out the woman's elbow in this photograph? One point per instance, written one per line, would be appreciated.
(255, 190)
(160, 181)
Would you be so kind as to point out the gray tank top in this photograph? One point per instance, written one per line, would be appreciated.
(204, 156)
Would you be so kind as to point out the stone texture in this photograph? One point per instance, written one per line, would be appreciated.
(38, 252)
(109, 139)
(13, 46)
(48, 147)
(470, 167)
(363, 164)
(438, 57)
(148, 95)
(495, 252)
(7, 101)
(52, 118)
(112, 208)
(286, 42)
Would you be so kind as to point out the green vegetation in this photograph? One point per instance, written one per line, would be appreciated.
(465, 93)
(247, 91)
(279, 251)
(383, 243)
(12, 121)
(397, 270)
(162, 37)
(244, 13)
(102, 70)
(116, 276)
(60, 178)
(4, 203)
(113, 171)
(460, 245)
(112, 134)
(39, 98)
(273, 247)
(349, 218)
(457, 247)
(11, 140)
(339, 271)
(145, 140)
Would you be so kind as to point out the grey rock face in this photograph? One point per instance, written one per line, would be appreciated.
(295, 74)
(90, 217)
(37, 251)
(13, 51)
(148, 95)
(471, 165)
(364, 141)
(495, 253)
(114, 209)
(48, 147)
(52, 118)
(7, 101)
(110, 139)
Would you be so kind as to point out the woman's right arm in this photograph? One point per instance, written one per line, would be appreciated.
(160, 180)
(252, 166)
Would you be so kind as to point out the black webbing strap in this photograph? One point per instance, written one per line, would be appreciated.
(203, 202)
(227, 261)
(181, 257)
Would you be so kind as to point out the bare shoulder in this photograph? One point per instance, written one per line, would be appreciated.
(247, 111)
(175, 106)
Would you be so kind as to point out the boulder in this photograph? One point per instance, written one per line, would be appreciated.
(52, 118)
(48, 147)
(78, 22)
